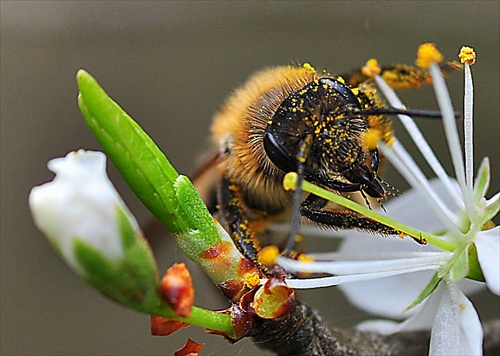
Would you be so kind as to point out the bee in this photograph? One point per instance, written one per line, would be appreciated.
(294, 118)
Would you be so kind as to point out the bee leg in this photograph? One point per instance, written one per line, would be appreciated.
(312, 208)
(232, 214)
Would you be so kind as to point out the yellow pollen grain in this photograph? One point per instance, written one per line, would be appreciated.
(305, 258)
(251, 280)
(371, 68)
(427, 54)
(268, 255)
(308, 67)
(371, 139)
(467, 55)
(462, 307)
(290, 181)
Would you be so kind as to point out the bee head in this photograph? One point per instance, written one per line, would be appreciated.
(335, 158)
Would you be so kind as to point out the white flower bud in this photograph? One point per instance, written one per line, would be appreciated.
(80, 204)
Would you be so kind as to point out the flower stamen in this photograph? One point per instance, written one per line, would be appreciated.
(468, 57)
(428, 54)
(419, 140)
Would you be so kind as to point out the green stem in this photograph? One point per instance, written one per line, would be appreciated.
(204, 318)
(290, 183)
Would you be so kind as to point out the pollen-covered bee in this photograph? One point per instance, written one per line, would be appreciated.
(294, 118)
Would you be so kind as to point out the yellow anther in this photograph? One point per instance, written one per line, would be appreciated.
(427, 54)
(251, 280)
(268, 255)
(467, 55)
(371, 68)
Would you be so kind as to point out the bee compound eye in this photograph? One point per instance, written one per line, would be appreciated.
(277, 154)
(341, 89)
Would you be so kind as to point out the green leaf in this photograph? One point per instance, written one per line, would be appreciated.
(133, 152)
(170, 197)
(195, 211)
(428, 290)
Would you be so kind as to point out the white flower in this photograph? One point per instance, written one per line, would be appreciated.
(80, 204)
(397, 273)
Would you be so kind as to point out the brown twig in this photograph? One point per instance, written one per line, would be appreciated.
(303, 332)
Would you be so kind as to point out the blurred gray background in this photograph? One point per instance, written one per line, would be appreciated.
(171, 65)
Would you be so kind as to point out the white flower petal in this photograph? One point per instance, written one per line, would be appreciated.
(469, 287)
(422, 317)
(384, 327)
(388, 297)
(488, 253)
(457, 329)
(80, 203)
(408, 286)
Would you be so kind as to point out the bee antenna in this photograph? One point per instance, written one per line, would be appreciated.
(430, 114)
(297, 196)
